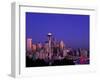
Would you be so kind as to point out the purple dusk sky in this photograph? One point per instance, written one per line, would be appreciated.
(72, 29)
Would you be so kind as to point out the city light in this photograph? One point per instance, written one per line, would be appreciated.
(52, 53)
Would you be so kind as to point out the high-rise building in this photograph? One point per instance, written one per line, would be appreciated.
(39, 45)
(33, 47)
(62, 44)
(29, 44)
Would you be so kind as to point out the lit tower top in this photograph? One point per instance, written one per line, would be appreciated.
(49, 36)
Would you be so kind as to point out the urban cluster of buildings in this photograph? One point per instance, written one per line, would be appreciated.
(53, 50)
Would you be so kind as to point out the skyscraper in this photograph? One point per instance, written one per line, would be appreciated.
(29, 44)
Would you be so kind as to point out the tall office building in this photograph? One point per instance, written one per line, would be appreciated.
(33, 47)
(62, 45)
(29, 44)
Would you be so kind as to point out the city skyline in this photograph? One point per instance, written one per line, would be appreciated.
(72, 29)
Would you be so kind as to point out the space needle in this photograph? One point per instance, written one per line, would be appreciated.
(49, 35)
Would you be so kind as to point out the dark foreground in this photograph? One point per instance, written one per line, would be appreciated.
(41, 62)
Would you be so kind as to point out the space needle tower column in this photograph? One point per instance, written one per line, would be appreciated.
(49, 44)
